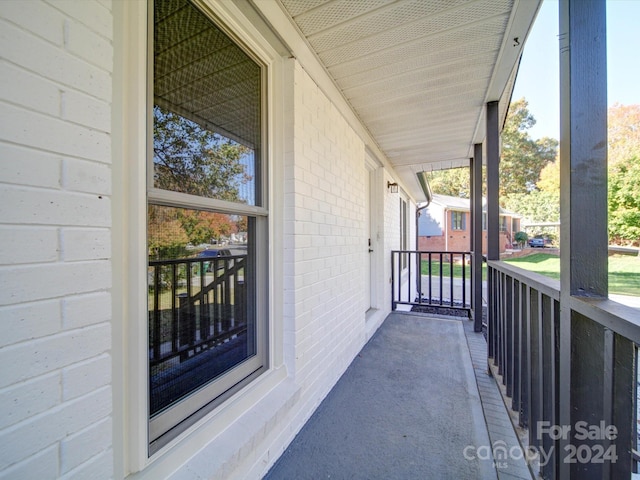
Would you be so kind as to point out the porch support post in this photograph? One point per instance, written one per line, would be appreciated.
(583, 148)
(476, 236)
(493, 182)
(586, 394)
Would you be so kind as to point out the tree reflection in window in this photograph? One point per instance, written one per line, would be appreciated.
(188, 158)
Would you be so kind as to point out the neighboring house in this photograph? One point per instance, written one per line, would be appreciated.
(445, 225)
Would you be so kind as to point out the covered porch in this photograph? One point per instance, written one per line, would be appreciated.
(417, 402)
(564, 352)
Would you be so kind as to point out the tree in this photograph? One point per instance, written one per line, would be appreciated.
(166, 237)
(550, 178)
(521, 238)
(521, 163)
(188, 158)
(624, 201)
(202, 227)
(623, 132)
(536, 206)
(453, 182)
(624, 173)
(522, 158)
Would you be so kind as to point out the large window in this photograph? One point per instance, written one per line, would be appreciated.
(206, 219)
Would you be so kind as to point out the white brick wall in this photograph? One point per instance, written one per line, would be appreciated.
(55, 249)
(325, 239)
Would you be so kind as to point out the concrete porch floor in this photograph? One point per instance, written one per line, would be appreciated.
(416, 403)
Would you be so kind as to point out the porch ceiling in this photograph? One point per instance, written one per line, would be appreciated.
(418, 73)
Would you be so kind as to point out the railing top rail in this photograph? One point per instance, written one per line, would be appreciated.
(194, 260)
(449, 252)
(547, 286)
(622, 319)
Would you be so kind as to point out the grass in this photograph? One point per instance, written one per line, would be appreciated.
(624, 270)
(457, 269)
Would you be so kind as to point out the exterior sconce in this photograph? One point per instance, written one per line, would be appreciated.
(393, 187)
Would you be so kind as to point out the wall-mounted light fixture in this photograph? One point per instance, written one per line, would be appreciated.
(393, 187)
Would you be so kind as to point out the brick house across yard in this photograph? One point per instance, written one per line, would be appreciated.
(445, 225)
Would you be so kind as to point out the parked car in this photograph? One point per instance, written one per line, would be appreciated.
(208, 266)
(214, 253)
(536, 242)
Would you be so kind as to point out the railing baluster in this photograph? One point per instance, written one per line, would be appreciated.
(419, 276)
(500, 326)
(517, 346)
(227, 302)
(451, 279)
(393, 283)
(464, 280)
(409, 283)
(204, 308)
(430, 281)
(525, 374)
(509, 334)
(174, 312)
(549, 377)
(157, 337)
(441, 287)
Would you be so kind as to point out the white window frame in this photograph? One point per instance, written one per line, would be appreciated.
(130, 144)
(181, 411)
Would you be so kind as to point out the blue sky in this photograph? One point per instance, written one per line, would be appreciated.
(538, 75)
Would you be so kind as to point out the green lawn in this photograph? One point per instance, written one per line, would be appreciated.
(457, 269)
(624, 270)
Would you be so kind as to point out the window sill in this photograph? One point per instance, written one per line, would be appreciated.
(238, 425)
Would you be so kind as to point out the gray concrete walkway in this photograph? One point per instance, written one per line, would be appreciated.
(407, 408)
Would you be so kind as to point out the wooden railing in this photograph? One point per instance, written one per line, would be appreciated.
(195, 305)
(571, 377)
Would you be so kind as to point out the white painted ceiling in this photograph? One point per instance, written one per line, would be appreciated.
(418, 73)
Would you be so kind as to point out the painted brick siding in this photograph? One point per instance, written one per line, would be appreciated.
(55, 218)
(325, 241)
